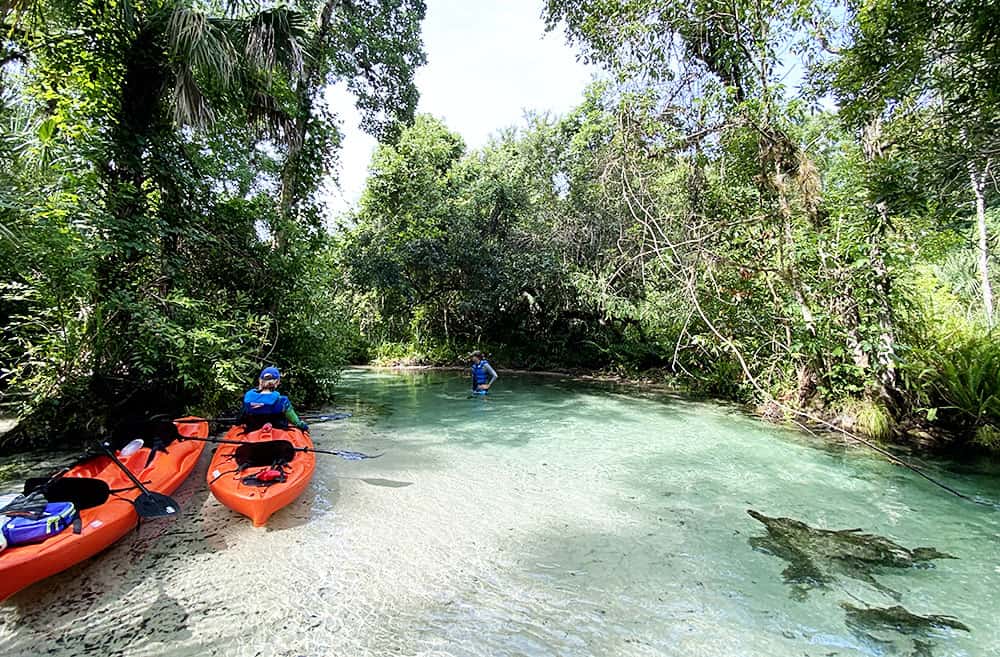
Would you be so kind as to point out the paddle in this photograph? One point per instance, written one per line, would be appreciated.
(313, 419)
(324, 418)
(349, 456)
(148, 504)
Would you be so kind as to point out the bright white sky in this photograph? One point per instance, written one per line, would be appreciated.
(487, 62)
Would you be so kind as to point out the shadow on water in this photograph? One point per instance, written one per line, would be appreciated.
(113, 631)
(622, 601)
(385, 483)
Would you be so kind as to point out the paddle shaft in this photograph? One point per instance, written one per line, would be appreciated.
(342, 454)
(123, 468)
(147, 504)
(315, 419)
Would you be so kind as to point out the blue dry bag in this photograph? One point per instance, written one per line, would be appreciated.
(36, 527)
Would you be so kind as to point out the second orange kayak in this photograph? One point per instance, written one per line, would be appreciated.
(161, 470)
(264, 475)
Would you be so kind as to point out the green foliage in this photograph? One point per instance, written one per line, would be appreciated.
(314, 337)
(988, 436)
(869, 418)
(162, 235)
(453, 250)
(960, 377)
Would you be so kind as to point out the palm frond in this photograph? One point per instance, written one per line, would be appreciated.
(190, 105)
(274, 40)
(237, 8)
(201, 44)
(266, 114)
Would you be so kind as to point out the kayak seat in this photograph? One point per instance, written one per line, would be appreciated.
(254, 422)
(265, 453)
(82, 492)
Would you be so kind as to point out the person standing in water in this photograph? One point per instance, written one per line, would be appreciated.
(483, 374)
(264, 404)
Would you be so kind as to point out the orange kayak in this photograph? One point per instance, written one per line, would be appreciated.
(161, 471)
(259, 478)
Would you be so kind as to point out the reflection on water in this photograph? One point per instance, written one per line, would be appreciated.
(548, 518)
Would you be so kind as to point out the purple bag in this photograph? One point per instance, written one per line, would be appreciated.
(19, 530)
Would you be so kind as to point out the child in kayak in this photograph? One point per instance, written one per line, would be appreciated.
(481, 371)
(264, 404)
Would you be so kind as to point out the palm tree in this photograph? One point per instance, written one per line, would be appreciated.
(186, 66)
(147, 75)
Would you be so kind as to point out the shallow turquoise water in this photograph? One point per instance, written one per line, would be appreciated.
(550, 518)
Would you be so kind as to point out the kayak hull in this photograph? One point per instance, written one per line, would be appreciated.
(23, 565)
(259, 502)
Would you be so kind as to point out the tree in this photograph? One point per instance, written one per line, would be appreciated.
(931, 69)
(182, 120)
(374, 48)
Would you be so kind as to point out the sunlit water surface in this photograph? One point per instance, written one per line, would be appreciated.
(550, 518)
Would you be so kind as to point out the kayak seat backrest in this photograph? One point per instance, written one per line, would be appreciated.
(154, 433)
(266, 453)
(82, 492)
(255, 422)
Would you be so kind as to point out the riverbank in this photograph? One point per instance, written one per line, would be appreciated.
(838, 422)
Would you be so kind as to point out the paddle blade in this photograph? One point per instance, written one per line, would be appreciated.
(34, 483)
(324, 417)
(335, 416)
(355, 456)
(155, 505)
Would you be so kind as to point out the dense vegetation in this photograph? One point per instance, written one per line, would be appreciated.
(779, 202)
(160, 211)
(785, 202)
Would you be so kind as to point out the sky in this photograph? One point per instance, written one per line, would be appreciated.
(487, 63)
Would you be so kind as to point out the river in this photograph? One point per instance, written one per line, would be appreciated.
(551, 517)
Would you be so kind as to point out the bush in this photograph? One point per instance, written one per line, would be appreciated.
(958, 380)
(870, 418)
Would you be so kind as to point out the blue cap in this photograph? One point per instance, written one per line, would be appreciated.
(270, 373)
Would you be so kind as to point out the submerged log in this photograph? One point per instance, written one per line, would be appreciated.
(817, 556)
(898, 619)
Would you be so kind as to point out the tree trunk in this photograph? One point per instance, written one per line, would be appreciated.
(885, 353)
(978, 178)
(885, 386)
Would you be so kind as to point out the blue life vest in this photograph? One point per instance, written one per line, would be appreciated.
(479, 375)
(264, 403)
